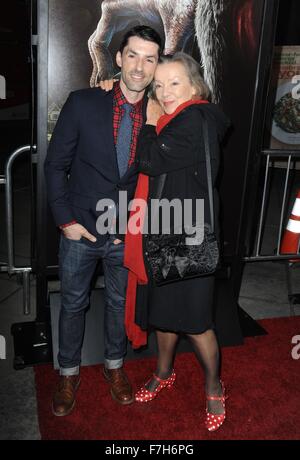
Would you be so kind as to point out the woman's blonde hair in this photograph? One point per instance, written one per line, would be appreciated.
(193, 71)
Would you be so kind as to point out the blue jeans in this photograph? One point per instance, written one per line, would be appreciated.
(77, 264)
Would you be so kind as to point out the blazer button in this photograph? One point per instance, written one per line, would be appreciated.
(146, 253)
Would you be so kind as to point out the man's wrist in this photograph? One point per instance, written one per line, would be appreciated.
(62, 226)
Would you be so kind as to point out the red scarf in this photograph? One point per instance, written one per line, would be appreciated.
(133, 256)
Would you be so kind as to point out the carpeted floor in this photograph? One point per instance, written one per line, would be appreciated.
(261, 377)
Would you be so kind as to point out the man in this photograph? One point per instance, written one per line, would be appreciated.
(91, 157)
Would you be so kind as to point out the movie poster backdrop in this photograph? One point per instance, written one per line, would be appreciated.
(224, 37)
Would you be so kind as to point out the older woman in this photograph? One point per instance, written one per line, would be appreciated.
(172, 142)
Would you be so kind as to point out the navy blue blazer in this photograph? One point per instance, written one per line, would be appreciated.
(81, 164)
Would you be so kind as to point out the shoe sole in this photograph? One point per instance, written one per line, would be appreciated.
(123, 403)
(57, 414)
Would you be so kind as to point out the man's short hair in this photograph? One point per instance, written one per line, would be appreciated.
(144, 32)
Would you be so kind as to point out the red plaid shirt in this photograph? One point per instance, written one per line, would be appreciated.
(136, 114)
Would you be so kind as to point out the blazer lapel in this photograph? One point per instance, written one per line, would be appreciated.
(110, 118)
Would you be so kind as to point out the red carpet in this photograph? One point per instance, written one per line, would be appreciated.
(261, 377)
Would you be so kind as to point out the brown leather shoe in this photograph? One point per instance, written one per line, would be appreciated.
(120, 387)
(64, 396)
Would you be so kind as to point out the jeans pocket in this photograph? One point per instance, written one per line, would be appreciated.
(71, 239)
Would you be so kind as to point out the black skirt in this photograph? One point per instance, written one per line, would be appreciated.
(184, 306)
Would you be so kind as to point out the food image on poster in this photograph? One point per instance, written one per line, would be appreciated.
(285, 128)
(286, 115)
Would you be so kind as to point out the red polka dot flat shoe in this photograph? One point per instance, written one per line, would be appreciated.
(144, 395)
(214, 421)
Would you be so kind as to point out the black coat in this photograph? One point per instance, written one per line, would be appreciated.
(81, 165)
(179, 152)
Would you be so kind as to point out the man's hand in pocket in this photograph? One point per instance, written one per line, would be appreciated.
(77, 231)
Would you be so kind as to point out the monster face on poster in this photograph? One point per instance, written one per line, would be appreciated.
(83, 40)
(224, 36)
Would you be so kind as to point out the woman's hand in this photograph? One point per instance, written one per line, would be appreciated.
(106, 85)
(154, 112)
(117, 241)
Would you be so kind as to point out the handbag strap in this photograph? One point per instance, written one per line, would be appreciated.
(162, 177)
(208, 170)
(160, 185)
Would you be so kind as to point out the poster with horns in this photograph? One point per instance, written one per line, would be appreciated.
(84, 37)
(224, 36)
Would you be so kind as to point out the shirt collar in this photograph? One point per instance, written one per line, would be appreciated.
(120, 99)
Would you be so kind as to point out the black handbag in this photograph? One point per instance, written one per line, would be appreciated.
(169, 257)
